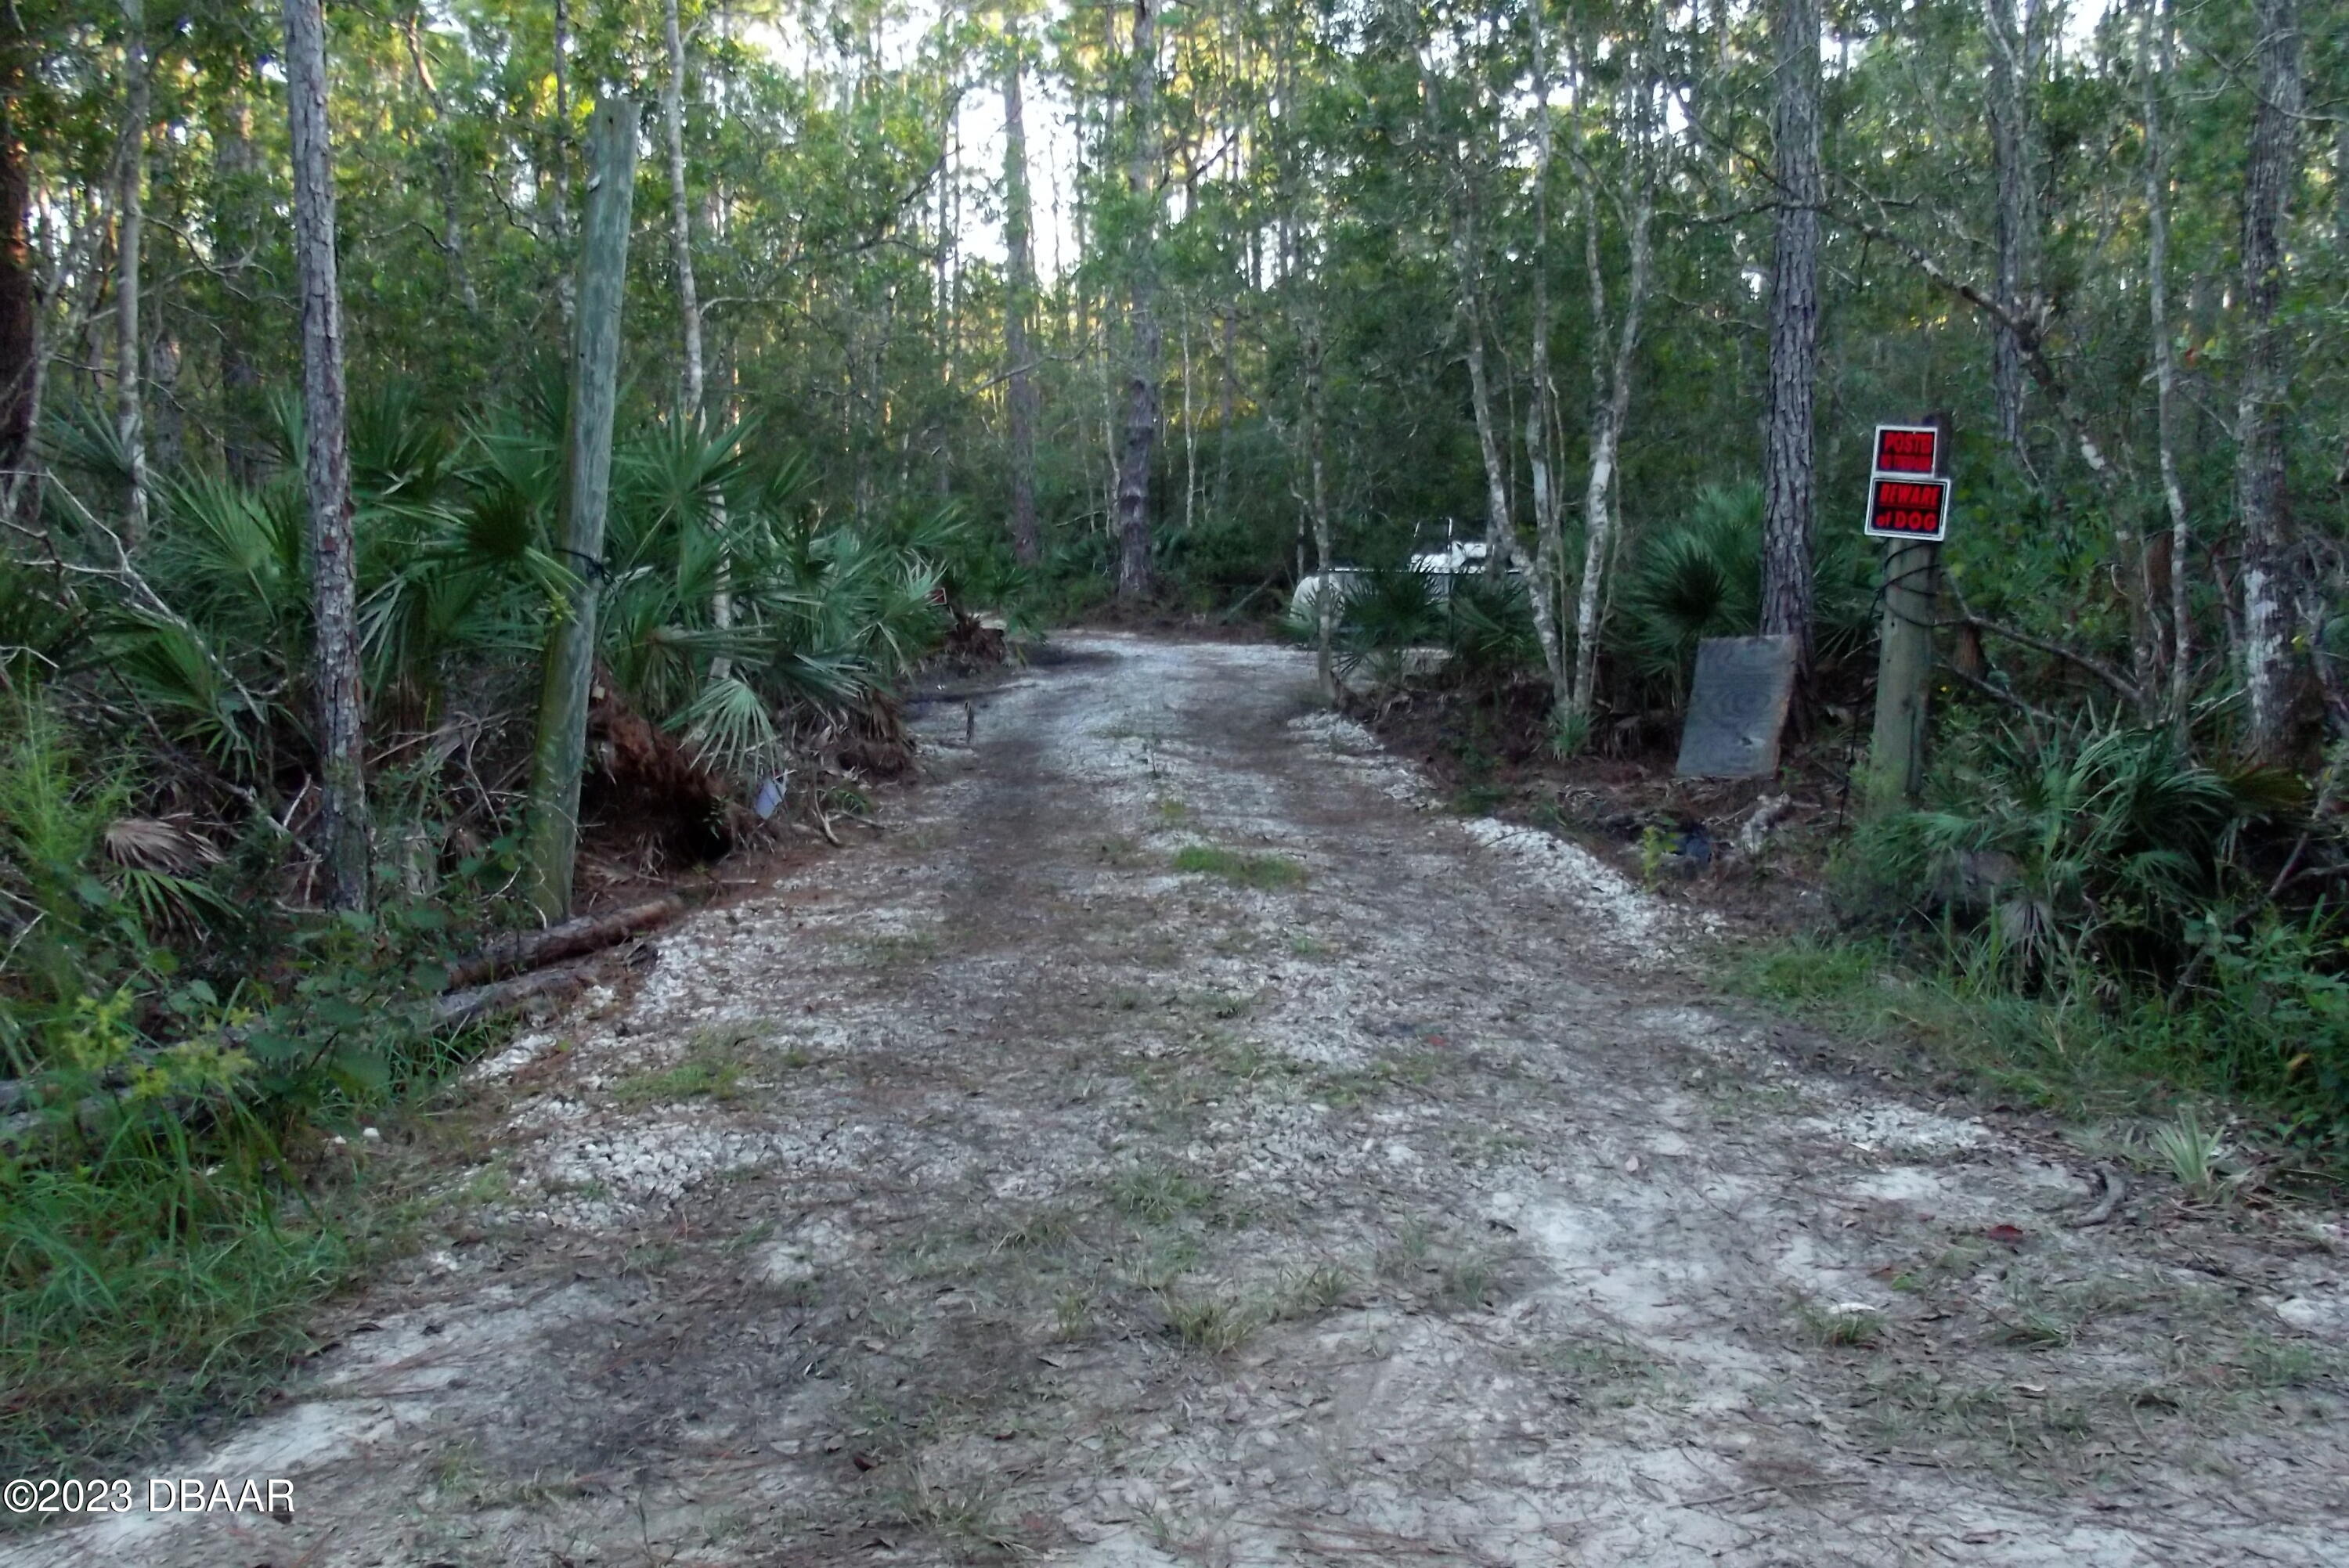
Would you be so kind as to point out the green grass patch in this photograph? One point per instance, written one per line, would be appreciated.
(1268, 873)
(2086, 1056)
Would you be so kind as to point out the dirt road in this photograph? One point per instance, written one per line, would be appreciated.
(1174, 1141)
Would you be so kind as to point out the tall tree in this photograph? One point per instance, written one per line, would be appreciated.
(130, 231)
(333, 556)
(2014, 73)
(19, 290)
(560, 754)
(2272, 169)
(2165, 359)
(1789, 476)
(1615, 343)
(1019, 303)
(680, 216)
(1136, 570)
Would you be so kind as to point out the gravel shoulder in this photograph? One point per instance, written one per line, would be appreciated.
(1173, 1141)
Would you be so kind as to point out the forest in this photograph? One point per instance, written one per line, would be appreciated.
(425, 425)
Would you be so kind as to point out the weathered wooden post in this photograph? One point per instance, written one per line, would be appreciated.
(1907, 503)
(552, 841)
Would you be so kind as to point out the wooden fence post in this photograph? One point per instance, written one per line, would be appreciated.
(551, 839)
(1904, 667)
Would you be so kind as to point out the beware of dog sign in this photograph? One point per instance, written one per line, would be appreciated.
(1907, 508)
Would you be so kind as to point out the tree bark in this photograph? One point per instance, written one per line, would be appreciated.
(1549, 543)
(444, 162)
(1325, 602)
(2268, 176)
(1018, 222)
(680, 216)
(559, 171)
(1790, 477)
(20, 347)
(2164, 365)
(334, 566)
(552, 839)
(2016, 231)
(129, 402)
(1135, 571)
(236, 240)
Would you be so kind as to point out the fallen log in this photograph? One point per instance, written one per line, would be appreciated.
(532, 951)
(527, 950)
(464, 1007)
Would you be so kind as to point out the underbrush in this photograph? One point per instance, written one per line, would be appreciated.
(2093, 922)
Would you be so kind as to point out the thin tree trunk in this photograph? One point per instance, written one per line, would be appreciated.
(2016, 225)
(1190, 429)
(2260, 494)
(1136, 572)
(1789, 479)
(130, 426)
(1019, 308)
(444, 160)
(2165, 367)
(559, 175)
(1611, 387)
(680, 216)
(557, 759)
(1549, 543)
(334, 564)
(20, 345)
(236, 239)
(1224, 416)
(1325, 602)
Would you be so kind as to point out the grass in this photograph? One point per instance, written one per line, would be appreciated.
(1211, 1325)
(1158, 1194)
(1269, 873)
(1846, 1326)
(712, 1069)
(2075, 1057)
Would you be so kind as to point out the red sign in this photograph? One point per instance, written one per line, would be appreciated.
(1905, 449)
(1908, 509)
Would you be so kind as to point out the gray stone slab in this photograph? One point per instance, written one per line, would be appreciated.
(1737, 708)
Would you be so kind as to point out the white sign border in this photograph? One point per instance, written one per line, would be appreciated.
(1876, 444)
(1936, 536)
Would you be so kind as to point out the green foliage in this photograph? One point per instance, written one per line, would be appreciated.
(2098, 852)
(1269, 872)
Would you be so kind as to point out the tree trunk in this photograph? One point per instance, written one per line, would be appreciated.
(2016, 228)
(559, 172)
(444, 161)
(1790, 477)
(1611, 379)
(2165, 366)
(20, 347)
(680, 217)
(1325, 602)
(334, 565)
(1134, 574)
(1549, 543)
(551, 839)
(130, 426)
(236, 239)
(2273, 166)
(1018, 222)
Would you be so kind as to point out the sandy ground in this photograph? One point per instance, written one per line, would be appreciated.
(1395, 1193)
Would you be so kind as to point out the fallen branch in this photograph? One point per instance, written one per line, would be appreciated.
(2115, 1190)
(530, 952)
(480, 1001)
(591, 933)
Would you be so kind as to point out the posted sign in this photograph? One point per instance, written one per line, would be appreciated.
(1906, 497)
(1908, 509)
(1903, 450)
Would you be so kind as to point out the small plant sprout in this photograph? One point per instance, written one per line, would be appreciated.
(2191, 1154)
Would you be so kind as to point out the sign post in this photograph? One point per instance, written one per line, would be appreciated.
(1907, 503)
